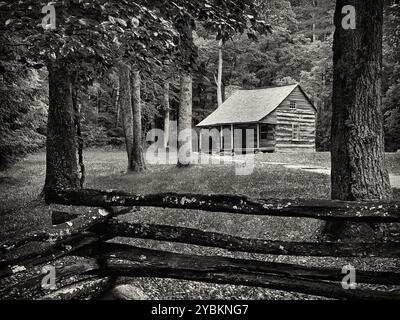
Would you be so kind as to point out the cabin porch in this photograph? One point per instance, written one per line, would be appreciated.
(238, 138)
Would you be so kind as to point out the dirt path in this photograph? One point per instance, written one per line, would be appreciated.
(394, 179)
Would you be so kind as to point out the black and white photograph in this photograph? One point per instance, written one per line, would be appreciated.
(199, 158)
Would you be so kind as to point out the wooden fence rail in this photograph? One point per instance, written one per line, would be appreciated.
(87, 264)
(116, 228)
(372, 212)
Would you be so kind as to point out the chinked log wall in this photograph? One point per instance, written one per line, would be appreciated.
(305, 115)
(86, 264)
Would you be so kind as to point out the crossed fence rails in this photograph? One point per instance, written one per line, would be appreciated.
(86, 263)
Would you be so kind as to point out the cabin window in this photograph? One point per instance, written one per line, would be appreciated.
(292, 104)
(296, 130)
(263, 132)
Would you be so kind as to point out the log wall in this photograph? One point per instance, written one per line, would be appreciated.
(283, 119)
(304, 115)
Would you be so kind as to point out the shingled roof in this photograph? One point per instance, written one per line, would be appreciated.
(249, 106)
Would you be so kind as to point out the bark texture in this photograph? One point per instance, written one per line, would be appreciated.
(166, 114)
(118, 228)
(138, 262)
(137, 163)
(61, 152)
(126, 109)
(314, 22)
(77, 111)
(220, 70)
(327, 210)
(185, 122)
(358, 158)
(117, 107)
(185, 26)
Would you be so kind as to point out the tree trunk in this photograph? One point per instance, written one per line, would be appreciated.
(314, 24)
(220, 70)
(77, 111)
(137, 164)
(358, 159)
(117, 108)
(185, 122)
(98, 105)
(185, 28)
(61, 152)
(126, 109)
(319, 127)
(152, 125)
(166, 114)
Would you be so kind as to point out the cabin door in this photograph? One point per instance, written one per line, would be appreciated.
(248, 136)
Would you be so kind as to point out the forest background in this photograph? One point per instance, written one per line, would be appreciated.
(299, 49)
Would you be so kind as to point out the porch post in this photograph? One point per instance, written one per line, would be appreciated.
(200, 141)
(232, 142)
(221, 138)
(258, 136)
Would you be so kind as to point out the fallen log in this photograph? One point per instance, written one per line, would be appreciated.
(128, 261)
(372, 212)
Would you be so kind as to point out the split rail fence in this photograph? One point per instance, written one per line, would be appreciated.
(85, 262)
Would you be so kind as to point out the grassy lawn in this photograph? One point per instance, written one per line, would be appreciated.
(323, 159)
(20, 212)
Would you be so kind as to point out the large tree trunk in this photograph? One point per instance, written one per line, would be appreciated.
(185, 29)
(358, 160)
(220, 70)
(185, 122)
(166, 114)
(61, 152)
(126, 110)
(138, 164)
(358, 166)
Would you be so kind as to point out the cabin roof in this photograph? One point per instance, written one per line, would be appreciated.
(246, 106)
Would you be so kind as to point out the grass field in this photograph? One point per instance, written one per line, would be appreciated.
(21, 212)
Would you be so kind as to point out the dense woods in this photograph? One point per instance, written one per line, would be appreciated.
(298, 49)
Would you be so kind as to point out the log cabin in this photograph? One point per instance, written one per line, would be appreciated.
(282, 119)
